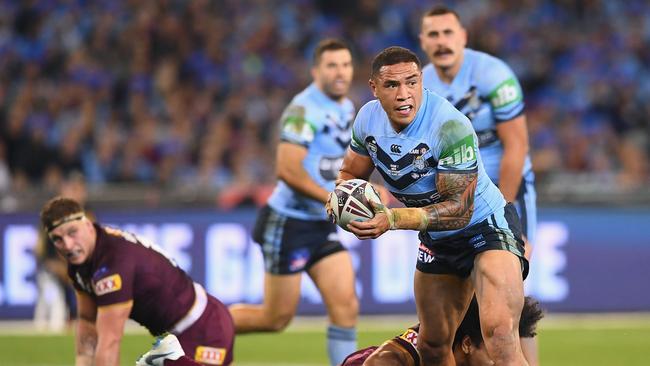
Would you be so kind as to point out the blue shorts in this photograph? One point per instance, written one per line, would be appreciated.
(292, 245)
(455, 254)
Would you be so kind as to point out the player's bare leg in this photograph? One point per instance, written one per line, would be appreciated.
(281, 297)
(441, 302)
(500, 295)
(334, 277)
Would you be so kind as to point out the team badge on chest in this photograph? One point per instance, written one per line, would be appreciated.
(419, 163)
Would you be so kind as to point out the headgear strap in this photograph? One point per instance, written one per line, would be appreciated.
(75, 216)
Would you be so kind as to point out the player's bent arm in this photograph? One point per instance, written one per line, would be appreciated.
(514, 138)
(86, 335)
(110, 328)
(355, 165)
(454, 211)
(289, 160)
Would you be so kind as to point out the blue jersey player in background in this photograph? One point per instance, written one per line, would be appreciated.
(470, 239)
(486, 90)
(293, 229)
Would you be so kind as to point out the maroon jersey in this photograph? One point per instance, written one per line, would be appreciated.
(359, 357)
(123, 268)
(408, 341)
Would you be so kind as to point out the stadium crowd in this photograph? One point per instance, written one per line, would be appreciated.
(176, 93)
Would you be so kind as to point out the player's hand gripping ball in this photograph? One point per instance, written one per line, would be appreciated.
(351, 201)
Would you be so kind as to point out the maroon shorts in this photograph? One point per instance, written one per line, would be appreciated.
(211, 338)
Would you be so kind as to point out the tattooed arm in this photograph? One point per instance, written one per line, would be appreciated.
(454, 211)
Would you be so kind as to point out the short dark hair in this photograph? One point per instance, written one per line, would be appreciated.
(391, 56)
(440, 10)
(328, 44)
(531, 313)
(57, 210)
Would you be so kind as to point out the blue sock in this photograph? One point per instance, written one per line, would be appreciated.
(340, 343)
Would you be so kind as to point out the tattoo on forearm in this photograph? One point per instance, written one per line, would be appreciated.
(456, 206)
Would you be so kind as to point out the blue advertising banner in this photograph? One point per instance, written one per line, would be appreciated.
(584, 259)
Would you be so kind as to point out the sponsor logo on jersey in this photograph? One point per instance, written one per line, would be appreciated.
(396, 149)
(418, 200)
(460, 153)
(418, 151)
(108, 284)
(210, 355)
(425, 255)
(504, 94)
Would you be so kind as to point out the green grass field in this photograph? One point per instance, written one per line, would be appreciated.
(565, 341)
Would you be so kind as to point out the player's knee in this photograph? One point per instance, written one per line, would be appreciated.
(501, 340)
(350, 306)
(434, 352)
(278, 321)
(344, 312)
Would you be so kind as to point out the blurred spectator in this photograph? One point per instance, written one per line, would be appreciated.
(171, 92)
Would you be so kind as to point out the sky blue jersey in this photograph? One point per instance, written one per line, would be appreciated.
(321, 125)
(440, 138)
(488, 93)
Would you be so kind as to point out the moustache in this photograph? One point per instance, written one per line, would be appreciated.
(443, 51)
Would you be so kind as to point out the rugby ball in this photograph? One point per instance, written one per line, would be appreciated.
(350, 201)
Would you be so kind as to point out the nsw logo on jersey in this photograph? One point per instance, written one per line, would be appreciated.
(108, 284)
